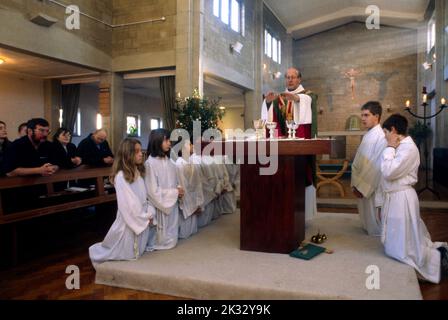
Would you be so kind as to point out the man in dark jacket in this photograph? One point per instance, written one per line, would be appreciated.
(94, 150)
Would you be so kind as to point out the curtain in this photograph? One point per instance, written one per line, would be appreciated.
(70, 105)
(167, 91)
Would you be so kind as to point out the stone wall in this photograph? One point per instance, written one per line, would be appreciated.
(386, 60)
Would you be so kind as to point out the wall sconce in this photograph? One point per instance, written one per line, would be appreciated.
(426, 65)
(236, 47)
(321, 110)
(61, 112)
(2, 61)
(388, 108)
(43, 20)
(276, 75)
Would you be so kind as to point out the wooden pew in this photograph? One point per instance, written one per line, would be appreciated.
(83, 172)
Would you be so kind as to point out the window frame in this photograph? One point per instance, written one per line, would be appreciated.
(138, 122)
(218, 5)
(269, 48)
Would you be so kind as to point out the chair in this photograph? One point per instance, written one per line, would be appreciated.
(331, 176)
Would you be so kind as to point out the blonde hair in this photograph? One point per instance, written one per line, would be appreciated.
(125, 161)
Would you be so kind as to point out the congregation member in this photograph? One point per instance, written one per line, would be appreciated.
(128, 236)
(4, 143)
(95, 151)
(29, 155)
(404, 233)
(22, 130)
(163, 190)
(65, 152)
(366, 171)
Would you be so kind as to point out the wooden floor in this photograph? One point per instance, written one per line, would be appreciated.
(41, 274)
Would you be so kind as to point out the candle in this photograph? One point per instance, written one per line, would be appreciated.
(408, 104)
(443, 101)
(425, 98)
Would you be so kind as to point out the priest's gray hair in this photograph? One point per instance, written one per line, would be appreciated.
(296, 70)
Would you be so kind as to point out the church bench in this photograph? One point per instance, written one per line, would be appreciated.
(99, 196)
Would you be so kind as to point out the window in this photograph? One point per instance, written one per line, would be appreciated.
(231, 12)
(431, 33)
(133, 125)
(77, 128)
(156, 123)
(272, 47)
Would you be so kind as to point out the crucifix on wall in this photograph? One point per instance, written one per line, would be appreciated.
(351, 74)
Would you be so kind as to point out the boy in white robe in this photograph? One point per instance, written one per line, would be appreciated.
(190, 206)
(404, 234)
(366, 168)
(128, 235)
(234, 177)
(163, 190)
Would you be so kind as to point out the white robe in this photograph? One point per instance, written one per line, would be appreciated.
(404, 234)
(161, 184)
(209, 185)
(366, 174)
(303, 113)
(128, 235)
(224, 189)
(234, 177)
(189, 176)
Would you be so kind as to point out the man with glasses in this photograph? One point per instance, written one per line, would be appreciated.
(95, 151)
(297, 104)
(293, 104)
(31, 154)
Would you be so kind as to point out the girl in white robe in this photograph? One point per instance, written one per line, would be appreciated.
(128, 235)
(163, 190)
(404, 233)
(189, 176)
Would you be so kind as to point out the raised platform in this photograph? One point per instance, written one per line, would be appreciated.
(210, 266)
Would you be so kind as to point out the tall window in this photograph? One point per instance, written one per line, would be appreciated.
(431, 33)
(156, 123)
(77, 129)
(133, 127)
(272, 47)
(231, 12)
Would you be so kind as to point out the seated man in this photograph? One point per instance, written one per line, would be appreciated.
(29, 155)
(94, 150)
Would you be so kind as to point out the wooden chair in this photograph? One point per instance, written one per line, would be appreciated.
(331, 177)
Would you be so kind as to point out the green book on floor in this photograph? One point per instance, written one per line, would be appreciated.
(307, 252)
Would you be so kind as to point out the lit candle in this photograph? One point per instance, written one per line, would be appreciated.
(425, 98)
(443, 101)
(408, 104)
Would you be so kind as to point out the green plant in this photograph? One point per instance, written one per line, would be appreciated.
(133, 131)
(419, 132)
(198, 108)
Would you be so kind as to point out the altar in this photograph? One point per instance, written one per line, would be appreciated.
(272, 206)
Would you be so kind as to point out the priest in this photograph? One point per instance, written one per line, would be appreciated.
(295, 103)
(300, 105)
(366, 170)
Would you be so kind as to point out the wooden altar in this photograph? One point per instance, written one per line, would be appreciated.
(273, 206)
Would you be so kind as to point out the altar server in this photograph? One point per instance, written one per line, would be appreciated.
(189, 176)
(226, 202)
(366, 167)
(163, 189)
(128, 235)
(404, 233)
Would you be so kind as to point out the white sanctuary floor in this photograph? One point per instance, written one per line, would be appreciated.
(210, 265)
